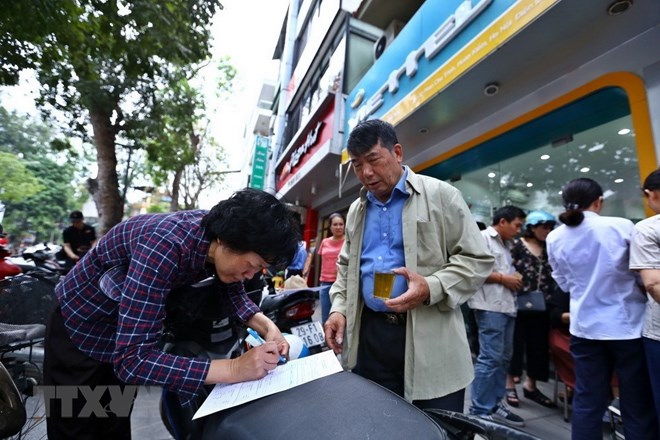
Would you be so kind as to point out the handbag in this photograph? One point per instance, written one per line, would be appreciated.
(533, 301)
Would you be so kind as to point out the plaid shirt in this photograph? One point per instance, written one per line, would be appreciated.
(123, 327)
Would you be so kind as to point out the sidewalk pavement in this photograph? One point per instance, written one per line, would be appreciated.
(545, 423)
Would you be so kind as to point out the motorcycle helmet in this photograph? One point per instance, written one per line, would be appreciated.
(539, 217)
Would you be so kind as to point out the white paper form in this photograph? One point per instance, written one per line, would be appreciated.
(289, 375)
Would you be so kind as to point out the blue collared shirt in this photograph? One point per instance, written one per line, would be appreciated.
(382, 244)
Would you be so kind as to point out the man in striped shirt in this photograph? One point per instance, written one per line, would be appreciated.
(112, 304)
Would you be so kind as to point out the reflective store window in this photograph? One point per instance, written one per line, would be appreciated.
(528, 166)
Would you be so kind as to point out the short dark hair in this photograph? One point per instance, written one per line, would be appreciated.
(368, 133)
(76, 215)
(652, 181)
(508, 213)
(578, 195)
(254, 221)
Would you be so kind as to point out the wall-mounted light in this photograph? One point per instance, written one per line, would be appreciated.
(545, 157)
(618, 180)
(623, 131)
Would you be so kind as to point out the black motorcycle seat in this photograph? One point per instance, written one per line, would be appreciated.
(17, 333)
(339, 406)
(273, 301)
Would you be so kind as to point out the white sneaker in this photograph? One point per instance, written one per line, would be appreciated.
(503, 414)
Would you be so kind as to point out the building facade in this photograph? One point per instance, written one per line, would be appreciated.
(505, 99)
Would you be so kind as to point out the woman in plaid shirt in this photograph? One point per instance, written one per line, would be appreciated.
(107, 327)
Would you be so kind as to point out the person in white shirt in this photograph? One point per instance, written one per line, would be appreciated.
(589, 258)
(494, 307)
(645, 257)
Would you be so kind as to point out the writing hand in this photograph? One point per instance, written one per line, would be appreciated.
(255, 363)
(274, 334)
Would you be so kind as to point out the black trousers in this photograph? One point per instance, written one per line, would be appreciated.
(381, 358)
(530, 344)
(594, 363)
(65, 365)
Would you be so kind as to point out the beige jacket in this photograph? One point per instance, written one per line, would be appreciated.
(443, 244)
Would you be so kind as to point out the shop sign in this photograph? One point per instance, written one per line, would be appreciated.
(310, 141)
(320, 131)
(259, 162)
(461, 17)
(401, 81)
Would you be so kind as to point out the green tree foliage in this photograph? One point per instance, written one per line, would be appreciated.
(24, 27)
(29, 144)
(16, 181)
(181, 153)
(103, 68)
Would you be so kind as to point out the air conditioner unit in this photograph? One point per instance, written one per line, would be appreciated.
(391, 31)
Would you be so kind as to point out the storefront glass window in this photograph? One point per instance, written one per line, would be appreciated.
(533, 179)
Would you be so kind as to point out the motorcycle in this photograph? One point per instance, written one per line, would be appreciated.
(292, 310)
(337, 406)
(7, 268)
(198, 324)
(25, 302)
(345, 405)
(41, 257)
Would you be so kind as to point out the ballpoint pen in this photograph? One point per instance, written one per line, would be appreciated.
(260, 341)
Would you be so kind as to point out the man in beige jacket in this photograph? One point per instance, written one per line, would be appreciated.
(421, 229)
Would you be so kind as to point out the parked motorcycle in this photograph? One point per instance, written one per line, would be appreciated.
(341, 405)
(41, 257)
(292, 310)
(198, 324)
(7, 268)
(345, 405)
(25, 301)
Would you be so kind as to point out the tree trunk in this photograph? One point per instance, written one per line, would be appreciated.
(176, 185)
(108, 203)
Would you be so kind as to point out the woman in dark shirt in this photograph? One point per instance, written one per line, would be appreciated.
(530, 339)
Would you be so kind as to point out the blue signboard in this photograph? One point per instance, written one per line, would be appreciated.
(443, 40)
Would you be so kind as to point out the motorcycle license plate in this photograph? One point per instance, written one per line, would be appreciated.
(311, 333)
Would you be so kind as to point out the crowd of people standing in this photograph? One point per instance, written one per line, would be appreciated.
(592, 282)
(583, 268)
